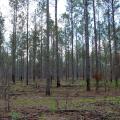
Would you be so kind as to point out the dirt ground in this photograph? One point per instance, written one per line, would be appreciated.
(69, 102)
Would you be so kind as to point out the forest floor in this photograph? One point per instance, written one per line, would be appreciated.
(69, 102)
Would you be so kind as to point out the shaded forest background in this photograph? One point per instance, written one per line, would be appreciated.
(84, 46)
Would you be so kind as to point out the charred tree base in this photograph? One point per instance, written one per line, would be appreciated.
(13, 78)
(58, 82)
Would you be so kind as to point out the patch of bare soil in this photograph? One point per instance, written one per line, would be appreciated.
(32, 113)
(73, 115)
(93, 111)
(66, 90)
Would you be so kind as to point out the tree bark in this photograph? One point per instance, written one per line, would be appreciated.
(72, 35)
(57, 52)
(47, 54)
(96, 46)
(109, 42)
(27, 42)
(34, 50)
(115, 44)
(87, 46)
(14, 45)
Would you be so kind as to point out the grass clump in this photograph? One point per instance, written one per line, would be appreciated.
(49, 103)
(15, 115)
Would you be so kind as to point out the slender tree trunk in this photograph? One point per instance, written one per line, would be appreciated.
(68, 55)
(87, 47)
(20, 77)
(61, 62)
(115, 44)
(92, 59)
(57, 53)
(27, 42)
(14, 45)
(53, 56)
(105, 69)
(23, 67)
(66, 62)
(72, 35)
(99, 44)
(76, 57)
(34, 50)
(17, 67)
(96, 46)
(41, 47)
(41, 61)
(47, 54)
(109, 42)
(83, 62)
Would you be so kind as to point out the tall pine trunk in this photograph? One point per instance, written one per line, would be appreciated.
(87, 46)
(14, 45)
(34, 50)
(96, 46)
(109, 42)
(47, 54)
(57, 53)
(77, 75)
(72, 35)
(99, 40)
(115, 45)
(27, 42)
